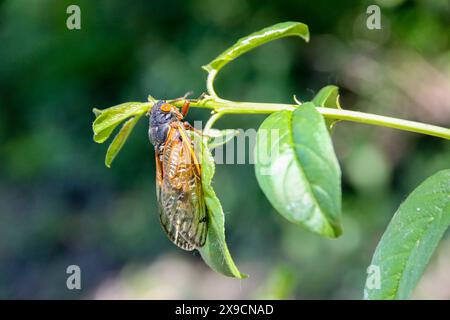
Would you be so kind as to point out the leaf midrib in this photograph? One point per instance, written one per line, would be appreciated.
(291, 138)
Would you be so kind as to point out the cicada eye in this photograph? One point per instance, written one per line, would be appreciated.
(166, 107)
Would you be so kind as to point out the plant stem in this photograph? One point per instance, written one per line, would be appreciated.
(212, 120)
(373, 119)
(210, 83)
(233, 107)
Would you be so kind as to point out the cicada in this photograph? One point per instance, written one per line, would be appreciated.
(179, 192)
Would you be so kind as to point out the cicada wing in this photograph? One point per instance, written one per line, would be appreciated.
(199, 229)
(180, 194)
(166, 223)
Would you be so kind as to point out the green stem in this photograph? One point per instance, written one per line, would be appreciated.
(212, 120)
(373, 119)
(210, 83)
(233, 107)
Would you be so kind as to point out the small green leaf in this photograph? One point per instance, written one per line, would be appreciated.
(243, 45)
(215, 251)
(297, 169)
(151, 99)
(104, 134)
(120, 139)
(410, 239)
(328, 97)
(217, 137)
(108, 119)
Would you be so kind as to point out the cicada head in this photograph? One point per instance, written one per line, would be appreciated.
(161, 115)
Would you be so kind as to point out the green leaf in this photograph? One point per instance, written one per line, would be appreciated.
(108, 119)
(120, 139)
(410, 239)
(217, 137)
(215, 251)
(328, 97)
(297, 169)
(243, 45)
(104, 134)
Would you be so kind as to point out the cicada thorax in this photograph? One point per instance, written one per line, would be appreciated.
(182, 207)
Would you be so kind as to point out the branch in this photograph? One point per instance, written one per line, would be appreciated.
(235, 107)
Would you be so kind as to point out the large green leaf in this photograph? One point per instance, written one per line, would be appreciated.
(215, 251)
(108, 119)
(243, 45)
(297, 169)
(410, 239)
(120, 139)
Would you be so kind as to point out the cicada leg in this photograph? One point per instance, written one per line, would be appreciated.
(185, 108)
(159, 172)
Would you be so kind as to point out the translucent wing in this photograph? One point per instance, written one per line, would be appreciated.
(182, 207)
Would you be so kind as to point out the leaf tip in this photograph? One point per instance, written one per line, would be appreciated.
(306, 37)
(337, 231)
(97, 112)
(244, 276)
(333, 229)
(96, 139)
(207, 68)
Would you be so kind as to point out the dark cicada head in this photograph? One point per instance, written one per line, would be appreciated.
(161, 116)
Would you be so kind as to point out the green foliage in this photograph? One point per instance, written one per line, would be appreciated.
(256, 39)
(58, 205)
(411, 238)
(298, 170)
(119, 140)
(107, 120)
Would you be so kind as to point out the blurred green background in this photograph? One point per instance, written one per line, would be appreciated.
(59, 204)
